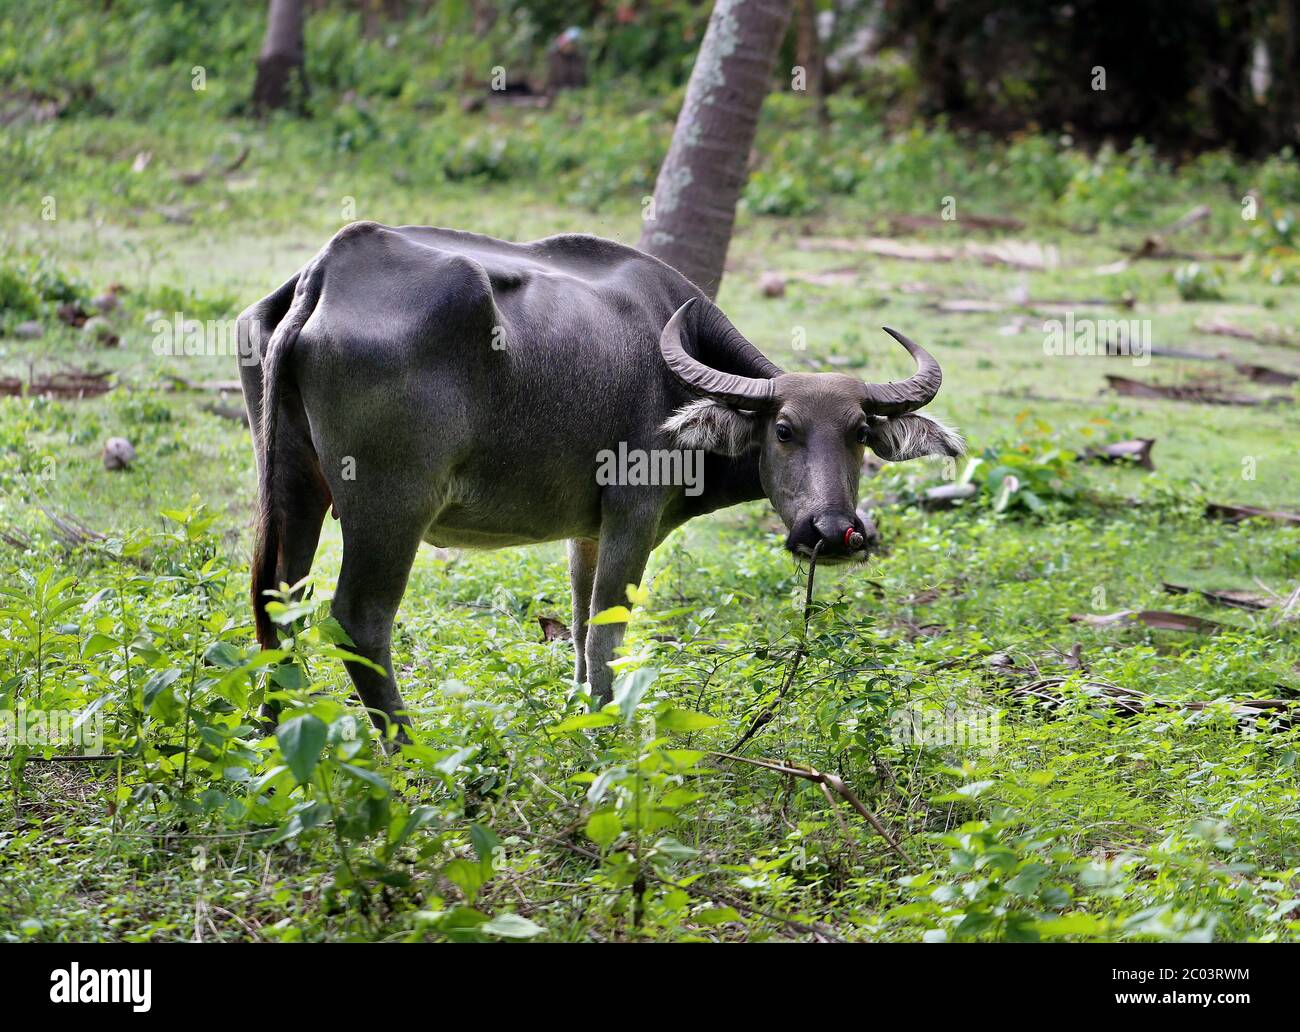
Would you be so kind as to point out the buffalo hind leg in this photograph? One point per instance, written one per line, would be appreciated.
(627, 532)
(304, 515)
(377, 559)
(582, 575)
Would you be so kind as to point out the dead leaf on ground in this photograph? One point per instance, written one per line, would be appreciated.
(554, 629)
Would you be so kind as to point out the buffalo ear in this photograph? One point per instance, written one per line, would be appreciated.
(899, 438)
(709, 425)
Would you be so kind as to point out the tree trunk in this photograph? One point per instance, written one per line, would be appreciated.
(281, 66)
(808, 54)
(694, 208)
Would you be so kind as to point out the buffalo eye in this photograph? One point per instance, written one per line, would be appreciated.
(864, 433)
(783, 433)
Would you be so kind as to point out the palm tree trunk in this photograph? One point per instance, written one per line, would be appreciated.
(808, 54)
(281, 65)
(689, 225)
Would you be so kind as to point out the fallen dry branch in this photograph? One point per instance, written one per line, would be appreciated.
(212, 168)
(963, 305)
(1134, 702)
(179, 383)
(1251, 371)
(1237, 513)
(1265, 374)
(70, 384)
(1198, 214)
(1138, 451)
(1195, 356)
(912, 223)
(946, 495)
(1154, 247)
(16, 537)
(1156, 619)
(829, 783)
(1252, 601)
(1273, 335)
(71, 530)
(1016, 254)
(1200, 394)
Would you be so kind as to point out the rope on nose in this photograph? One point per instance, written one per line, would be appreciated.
(852, 539)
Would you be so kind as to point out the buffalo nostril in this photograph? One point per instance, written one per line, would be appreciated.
(853, 541)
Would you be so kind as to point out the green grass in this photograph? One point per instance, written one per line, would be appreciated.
(1080, 824)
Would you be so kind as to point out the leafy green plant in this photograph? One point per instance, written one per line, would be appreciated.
(1274, 249)
(778, 192)
(1197, 282)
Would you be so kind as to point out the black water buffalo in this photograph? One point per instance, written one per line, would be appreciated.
(441, 386)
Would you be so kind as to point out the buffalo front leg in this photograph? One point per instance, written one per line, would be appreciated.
(626, 538)
(377, 559)
(582, 575)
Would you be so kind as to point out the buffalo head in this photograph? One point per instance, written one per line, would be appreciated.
(810, 430)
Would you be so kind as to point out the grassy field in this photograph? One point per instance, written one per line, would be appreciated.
(517, 815)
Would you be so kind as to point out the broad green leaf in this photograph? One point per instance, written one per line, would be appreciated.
(302, 739)
(370, 777)
(511, 926)
(96, 644)
(290, 677)
(603, 827)
(630, 688)
(485, 842)
(467, 876)
(1070, 924)
(584, 720)
(680, 721)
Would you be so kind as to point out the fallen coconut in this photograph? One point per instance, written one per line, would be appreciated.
(118, 453)
(772, 284)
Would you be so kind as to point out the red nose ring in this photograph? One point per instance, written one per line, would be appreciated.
(852, 539)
